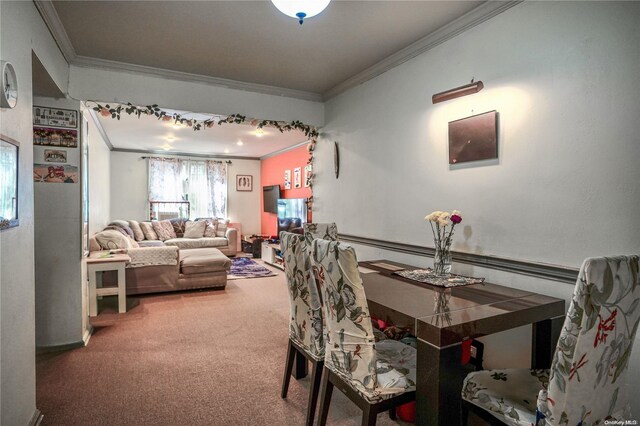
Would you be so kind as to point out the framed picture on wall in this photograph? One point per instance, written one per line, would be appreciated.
(287, 179)
(55, 155)
(297, 177)
(473, 138)
(244, 183)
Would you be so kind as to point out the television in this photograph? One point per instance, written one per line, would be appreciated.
(270, 196)
(292, 213)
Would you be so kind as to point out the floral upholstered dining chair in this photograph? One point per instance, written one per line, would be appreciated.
(586, 383)
(378, 376)
(306, 325)
(324, 231)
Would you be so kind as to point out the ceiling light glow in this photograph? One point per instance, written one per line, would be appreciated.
(301, 9)
(239, 143)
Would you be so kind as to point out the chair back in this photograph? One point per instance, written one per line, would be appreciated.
(305, 319)
(350, 349)
(324, 231)
(588, 371)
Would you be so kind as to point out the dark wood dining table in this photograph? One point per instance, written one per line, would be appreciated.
(443, 318)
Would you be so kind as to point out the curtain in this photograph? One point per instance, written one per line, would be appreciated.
(217, 179)
(202, 183)
(165, 182)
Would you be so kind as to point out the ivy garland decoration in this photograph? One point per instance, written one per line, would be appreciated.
(115, 110)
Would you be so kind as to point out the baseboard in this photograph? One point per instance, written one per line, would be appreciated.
(36, 419)
(58, 348)
(534, 269)
(87, 335)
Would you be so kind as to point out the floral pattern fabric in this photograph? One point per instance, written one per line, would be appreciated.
(306, 324)
(510, 395)
(351, 349)
(587, 379)
(164, 229)
(324, 231)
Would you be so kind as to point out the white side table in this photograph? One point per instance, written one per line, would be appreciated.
(99, 262)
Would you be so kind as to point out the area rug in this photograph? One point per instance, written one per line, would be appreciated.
(244, 267)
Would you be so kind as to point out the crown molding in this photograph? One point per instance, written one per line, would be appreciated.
(467, 21)
(88, 62)
(101, 130)
(283, 150)
(52, 20)
(480, 14)
(184, 154)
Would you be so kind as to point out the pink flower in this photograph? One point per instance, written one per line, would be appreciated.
(105, 112)
(456, 218)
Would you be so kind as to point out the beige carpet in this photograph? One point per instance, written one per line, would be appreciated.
(189, 358)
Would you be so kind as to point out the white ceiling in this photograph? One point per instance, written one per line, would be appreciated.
(249, 42)
(147, 133)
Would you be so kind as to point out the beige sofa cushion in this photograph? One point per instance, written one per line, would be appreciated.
(221, 228)
(195, 229)
(192, 243)
(164, 229)
(152, 256)
(147, 229)
(203, 260)
(137, 230)
(210, 230)
(111, 239)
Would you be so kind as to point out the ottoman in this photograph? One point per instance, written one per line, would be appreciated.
(203, 267)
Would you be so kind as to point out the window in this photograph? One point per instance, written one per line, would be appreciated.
(8, 184)
(201, 182)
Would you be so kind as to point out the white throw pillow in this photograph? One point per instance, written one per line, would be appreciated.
(221, 229)
(112, 239)
(194, 229)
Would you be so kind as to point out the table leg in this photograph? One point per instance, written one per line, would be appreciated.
(122, 290)
(93, 301)
(301, 368)
(439, 383)
(544, 338)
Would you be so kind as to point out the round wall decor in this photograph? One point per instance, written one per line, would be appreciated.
(9, 95)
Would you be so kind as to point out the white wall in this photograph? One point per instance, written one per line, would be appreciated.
(59, 284)
(129, 190)
(563, 77)
(119, 86)
(99, 179)
(21, 31)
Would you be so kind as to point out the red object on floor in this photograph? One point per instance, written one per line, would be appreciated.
(407, 412)
(466, 351)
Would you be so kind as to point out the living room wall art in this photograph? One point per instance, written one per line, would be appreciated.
(55, 156)
(297, 177)
(49, 136)
(58, 117)
(52, 173)
(287, 179)
(244, 183)
(308, 175)
(473, 138)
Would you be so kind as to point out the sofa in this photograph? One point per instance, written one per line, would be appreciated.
(170, 261)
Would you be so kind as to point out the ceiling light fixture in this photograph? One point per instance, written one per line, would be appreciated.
(239, 143)
(467, 89)
(259, 132)
(226, 151)
(301, 9)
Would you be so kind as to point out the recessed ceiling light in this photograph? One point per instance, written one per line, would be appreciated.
(226, 151)
(239, 143)
(166, 147)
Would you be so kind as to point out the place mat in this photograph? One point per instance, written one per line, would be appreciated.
(429, 277)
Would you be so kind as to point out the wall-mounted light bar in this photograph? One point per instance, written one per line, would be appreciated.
(467, 89)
